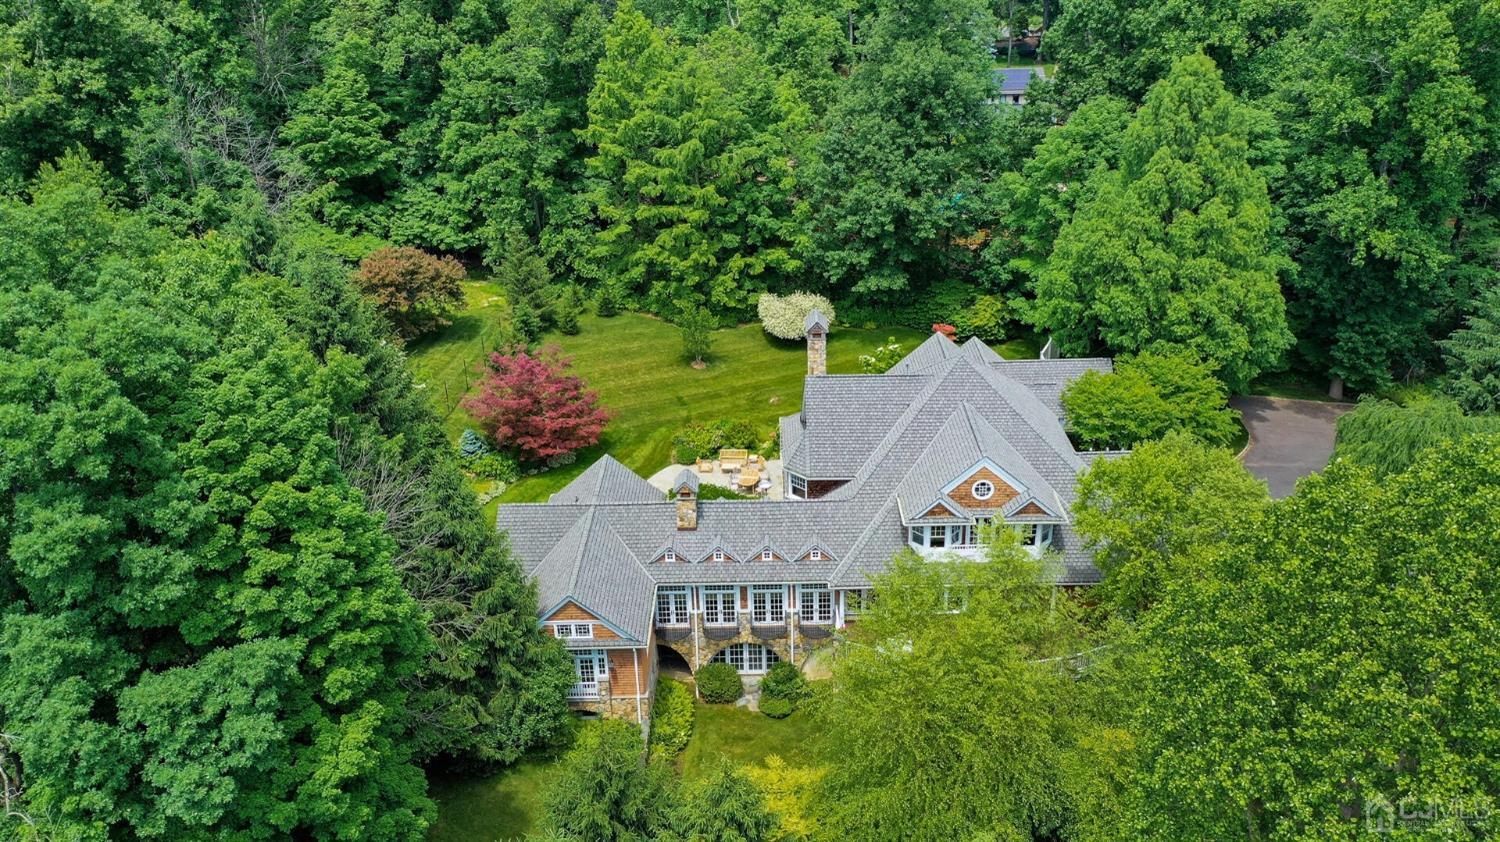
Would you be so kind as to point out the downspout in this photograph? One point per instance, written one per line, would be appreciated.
(693, 630)
(797, 613)
(635, 658)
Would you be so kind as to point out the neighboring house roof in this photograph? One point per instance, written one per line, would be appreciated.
(900, 440)
(1012, 80)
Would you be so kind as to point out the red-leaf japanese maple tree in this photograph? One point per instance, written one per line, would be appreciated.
(530, 403)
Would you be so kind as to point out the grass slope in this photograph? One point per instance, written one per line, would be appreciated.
(726, 732)
(503, 806)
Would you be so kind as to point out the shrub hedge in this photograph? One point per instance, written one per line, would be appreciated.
(720, 684)
(671, 719)
(777, 708)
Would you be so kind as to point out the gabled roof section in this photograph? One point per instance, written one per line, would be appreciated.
(606, 481)
(686, 479)
(843, 418)
(815, 320)
(1048, 378)
(964, 444)
(936, 349)
(591, 566)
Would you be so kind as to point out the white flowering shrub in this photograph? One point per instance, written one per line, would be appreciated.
(786, 315)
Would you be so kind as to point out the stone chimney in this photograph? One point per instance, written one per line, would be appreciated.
(685, 490)
(817, 343)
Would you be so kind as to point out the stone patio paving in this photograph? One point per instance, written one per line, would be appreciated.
(664, 478)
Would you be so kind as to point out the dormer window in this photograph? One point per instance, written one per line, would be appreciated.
(718, 555)
(815, 555)
(983, 490)
(669, 556)
(767, 555)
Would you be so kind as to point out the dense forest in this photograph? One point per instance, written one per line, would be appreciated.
(1305, 184)
(247, 593)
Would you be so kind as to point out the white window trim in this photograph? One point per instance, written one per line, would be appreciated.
(811, 605)
(767, 555)
(572, 631)
(814, 554)
(987, 485)
(719, 555)
(792, 483)
(677, 618)
(768, 592)
(717, 594)
(739, 656)
(600, 664)
(669, 555)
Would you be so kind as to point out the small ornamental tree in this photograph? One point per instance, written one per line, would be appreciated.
(416, 291)
(696, 325)
(785, 316)
(527, 402)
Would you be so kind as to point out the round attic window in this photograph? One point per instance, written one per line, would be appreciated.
(983, 490)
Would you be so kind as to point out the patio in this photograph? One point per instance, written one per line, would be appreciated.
(664, 478)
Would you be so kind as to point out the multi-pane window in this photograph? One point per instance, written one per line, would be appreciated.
(817, 605)
(746, 657)
(815, 554)
(573, 631)
(669, 556)
(767, 604)
(718, 555)
(1035, 534)
(720, 606)
(796, 486)
(672, 606)
(767, 555)
(589, 668)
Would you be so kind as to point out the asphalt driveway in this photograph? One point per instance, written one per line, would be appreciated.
(1289, 439)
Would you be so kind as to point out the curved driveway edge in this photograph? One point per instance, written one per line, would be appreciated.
(1289, 439)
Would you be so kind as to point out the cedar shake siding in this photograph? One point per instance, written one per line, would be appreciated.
(572, 613)
(963, 495)
(818, 488)
(623, 678)
(889, 462)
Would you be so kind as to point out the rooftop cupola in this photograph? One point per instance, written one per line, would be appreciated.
(817, 342)
(685, 491)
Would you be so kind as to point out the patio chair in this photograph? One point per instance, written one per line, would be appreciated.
(705, 466)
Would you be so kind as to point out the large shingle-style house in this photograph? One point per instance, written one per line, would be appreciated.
(950, 438)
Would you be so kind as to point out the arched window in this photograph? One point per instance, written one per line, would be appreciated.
(746, 657)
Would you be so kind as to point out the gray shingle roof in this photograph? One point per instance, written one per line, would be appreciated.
(815, 318)
(900, 438)
(607, 481)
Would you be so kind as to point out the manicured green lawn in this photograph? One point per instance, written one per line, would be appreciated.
(505, 806)
(725, 732)
(635, 364)
(445, 363)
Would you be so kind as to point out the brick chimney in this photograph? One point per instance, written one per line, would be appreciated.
(817, 343)
(685, 490)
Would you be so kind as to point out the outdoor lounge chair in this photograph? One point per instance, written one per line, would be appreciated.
(732, 459)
